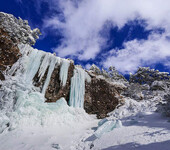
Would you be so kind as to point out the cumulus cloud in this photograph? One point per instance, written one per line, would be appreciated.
(81, 22)
(140, 53)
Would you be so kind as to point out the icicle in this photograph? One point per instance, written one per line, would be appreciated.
(24, 63)
(44, 65)
(64, 71)
(33, 64)
(78, 87)
(53, 62)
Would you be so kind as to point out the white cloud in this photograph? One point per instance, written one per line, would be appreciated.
(140, 53)
(84, 19)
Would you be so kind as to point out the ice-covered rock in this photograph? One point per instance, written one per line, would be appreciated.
(107, 126)
(95, 69)
(158, 85)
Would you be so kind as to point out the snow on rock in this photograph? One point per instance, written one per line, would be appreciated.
(18, 29)
(158, 85)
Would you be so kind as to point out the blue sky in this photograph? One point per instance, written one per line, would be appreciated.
(125, 34)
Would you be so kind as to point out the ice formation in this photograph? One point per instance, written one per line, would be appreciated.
(31, 109)
(78, 87)
(33, 65)
(64, 71)
(21, 104)
(38, 62)
(44, 66)
(107, 126)
(53, 62)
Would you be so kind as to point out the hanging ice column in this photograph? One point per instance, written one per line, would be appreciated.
(64, 71)
(54, 60)
(33, 65)
(44, 66)
(38, 62)
(78, 87)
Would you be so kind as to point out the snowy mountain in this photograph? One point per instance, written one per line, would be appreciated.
(47, 102)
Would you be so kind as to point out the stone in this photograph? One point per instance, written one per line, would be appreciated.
(101, 97)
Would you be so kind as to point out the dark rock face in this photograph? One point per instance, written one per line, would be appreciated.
(9, 52)
(55, 90)
(101, 97)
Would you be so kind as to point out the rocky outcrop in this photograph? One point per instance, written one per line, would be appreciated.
(12, 32)
(9, 52)
(55, 89)
(18, 29)
(145, 75)
(101, 95)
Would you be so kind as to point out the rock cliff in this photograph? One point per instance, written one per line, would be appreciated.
(97, 91)
(100, 96)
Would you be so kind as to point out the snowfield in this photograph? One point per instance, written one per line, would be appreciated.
(143, 129)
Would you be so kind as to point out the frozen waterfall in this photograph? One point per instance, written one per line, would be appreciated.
(39, 62)
(54, 60)
(33, 65)
(78, 87)
(44, 66)
(64, 71)
(22, 102)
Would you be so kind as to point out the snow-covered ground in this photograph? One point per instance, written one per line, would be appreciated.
(45, 138)
(149, 131)
(143, 129)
